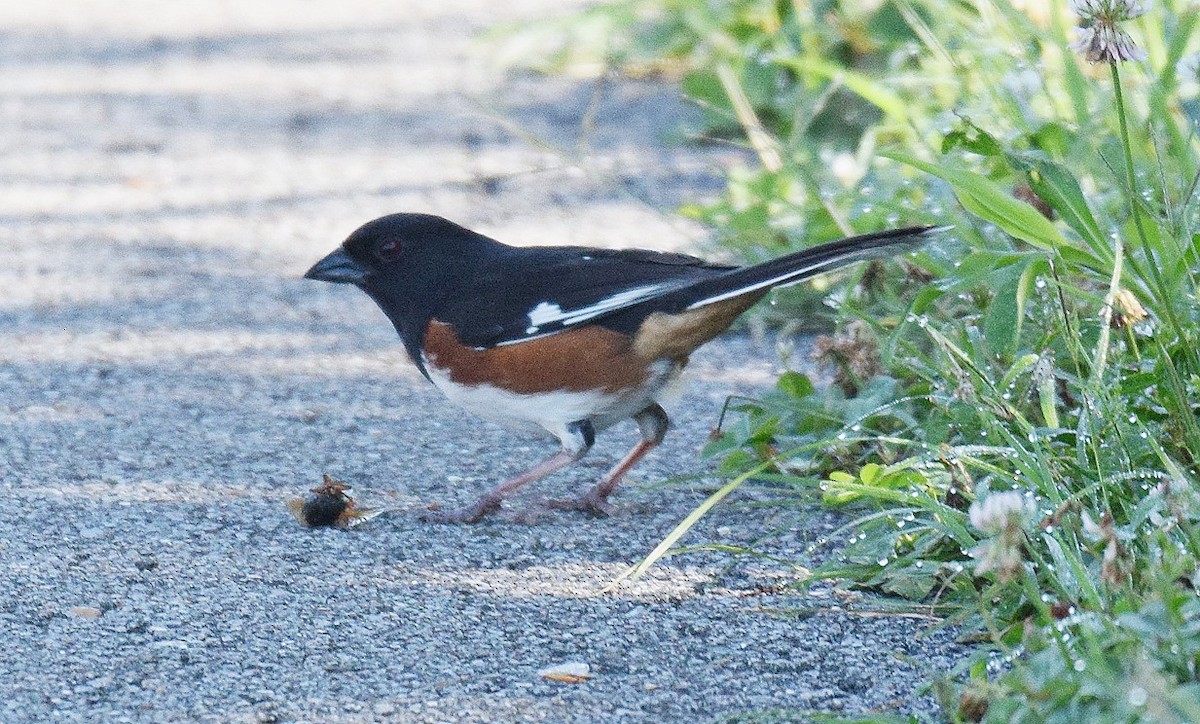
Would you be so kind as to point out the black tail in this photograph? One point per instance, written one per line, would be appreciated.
(796, 267)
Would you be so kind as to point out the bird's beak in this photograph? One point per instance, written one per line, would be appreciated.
(339, 268)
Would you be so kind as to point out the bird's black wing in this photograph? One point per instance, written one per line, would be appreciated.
(526, 293)
(530, 293)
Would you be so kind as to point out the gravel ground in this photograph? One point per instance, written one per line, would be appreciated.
(167, 382)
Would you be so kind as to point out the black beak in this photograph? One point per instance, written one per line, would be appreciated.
(339, 268)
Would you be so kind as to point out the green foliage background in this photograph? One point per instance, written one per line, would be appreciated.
(1047, 346)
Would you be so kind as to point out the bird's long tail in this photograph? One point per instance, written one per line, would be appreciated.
(796, 267)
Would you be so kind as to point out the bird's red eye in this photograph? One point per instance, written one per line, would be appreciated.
(388, 250)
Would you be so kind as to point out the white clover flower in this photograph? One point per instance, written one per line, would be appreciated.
(995, 554)
(1110, 11)
(1002, 517)
(1000, 512)
(1103, 41)
(1107, 44)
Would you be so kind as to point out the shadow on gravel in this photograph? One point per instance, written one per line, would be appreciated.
(350, 45)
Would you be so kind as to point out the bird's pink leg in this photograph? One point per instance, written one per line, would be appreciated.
(577, 440)
(595, 499)
(490, 501)
(653, 424)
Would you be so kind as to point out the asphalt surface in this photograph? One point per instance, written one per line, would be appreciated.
(168, 383)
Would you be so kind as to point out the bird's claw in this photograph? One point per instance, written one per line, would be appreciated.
(588, 503)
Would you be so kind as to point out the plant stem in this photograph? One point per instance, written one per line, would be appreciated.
(1164, 294)
(1106, 312)
(1133, 205)
(761, 141)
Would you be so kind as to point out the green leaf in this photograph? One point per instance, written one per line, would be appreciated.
(910, 583)
(1059, 188)
(1002, 324)
(1048, 400)
(973, 138)
(869, 473)
(873, 92)
(927, 296)
(1019, 367)
(991, 202)
(795, 385)
(1053, 138)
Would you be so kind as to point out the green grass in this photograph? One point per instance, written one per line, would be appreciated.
(1047, 349)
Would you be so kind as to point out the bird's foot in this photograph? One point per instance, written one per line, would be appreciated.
(531, 515)
(473, 513)
(589, 502)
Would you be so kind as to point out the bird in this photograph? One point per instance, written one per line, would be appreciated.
(565, 340)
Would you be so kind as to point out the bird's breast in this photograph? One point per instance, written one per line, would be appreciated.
(590, 373)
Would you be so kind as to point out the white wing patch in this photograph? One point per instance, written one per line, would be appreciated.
(551, 313)
(543, 313)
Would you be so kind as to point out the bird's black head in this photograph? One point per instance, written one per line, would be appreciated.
(410, 264)
(396, 247)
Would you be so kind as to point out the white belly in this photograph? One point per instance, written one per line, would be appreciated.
(554, 411)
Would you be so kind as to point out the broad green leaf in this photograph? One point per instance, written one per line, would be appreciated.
(973, 138)
(869, 473)
(1059, 188)
(1002, 323)
(993, 203)
(1053, 138)
(795, 385)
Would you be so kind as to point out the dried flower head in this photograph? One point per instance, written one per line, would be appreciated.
(1115, 564)
(1103, 40)
(1127, 310)
(1002, 517)
(852, 353)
